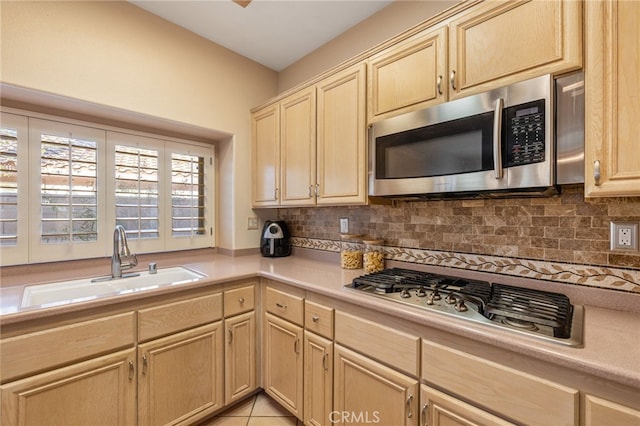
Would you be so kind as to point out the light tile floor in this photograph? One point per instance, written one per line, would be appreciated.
(259, 410)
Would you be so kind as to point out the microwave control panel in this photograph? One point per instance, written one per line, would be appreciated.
(524, 134)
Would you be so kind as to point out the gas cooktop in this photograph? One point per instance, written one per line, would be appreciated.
(540, 314)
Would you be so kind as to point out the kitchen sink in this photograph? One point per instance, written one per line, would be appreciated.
(64, 292)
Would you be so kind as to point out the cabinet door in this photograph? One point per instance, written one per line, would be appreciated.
(298, 148)
(318, 379)
(612, 104)
(341, 138)
(180, 376)
(100, 391)
(265, 129)
(440, 409)
(497, 43)
(408, 76)
(283, 363)
(240, 356)
(600, 412)
(366, 392)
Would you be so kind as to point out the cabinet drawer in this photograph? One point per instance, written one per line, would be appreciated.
(239, 300)
(393, 347)
(22, 355)
(520, 396)
(177, 316)
(319, 319)
(285, 305)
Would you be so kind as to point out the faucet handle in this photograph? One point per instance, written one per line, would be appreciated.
(153, 268)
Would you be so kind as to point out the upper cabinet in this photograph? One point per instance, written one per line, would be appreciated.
(408, 76)
(489, 45)
(612, 104)
(497, 43)
(310, 147)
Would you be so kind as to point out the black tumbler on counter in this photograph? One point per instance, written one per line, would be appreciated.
(276, 239)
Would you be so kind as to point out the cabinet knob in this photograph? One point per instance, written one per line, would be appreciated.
(596, 172)
(241, 300)
(315, 318)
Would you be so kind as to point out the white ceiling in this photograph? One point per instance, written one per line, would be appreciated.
(275, 33)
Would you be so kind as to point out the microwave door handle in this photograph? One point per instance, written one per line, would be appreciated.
(497, 138)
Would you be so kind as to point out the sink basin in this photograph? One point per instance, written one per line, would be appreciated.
(64, 292)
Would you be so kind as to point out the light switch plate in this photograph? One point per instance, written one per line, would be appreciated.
(252, 223)
(344, 225)
(624, 236)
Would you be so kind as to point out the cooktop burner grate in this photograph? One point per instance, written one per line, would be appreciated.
(536, 311)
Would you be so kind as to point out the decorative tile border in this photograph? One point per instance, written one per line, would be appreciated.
(593, 276)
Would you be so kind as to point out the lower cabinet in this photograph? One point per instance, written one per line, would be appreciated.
(366, 392)
(180, 376)
(318, 379)
(601, 412)
(98, 391)
(240, 356)
(440, 409)
(283, 363)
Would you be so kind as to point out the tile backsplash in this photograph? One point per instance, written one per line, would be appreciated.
(564, 229)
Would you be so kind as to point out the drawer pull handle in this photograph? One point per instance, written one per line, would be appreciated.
(409, 413)
(281, 305)
(131, 369)
(596, 172)
(241, 300)
(425, 407)
(325, 361)
(230, 335)
(315, 318)
(296, 346)
(439, 85)
(452, 79)
(145, 364)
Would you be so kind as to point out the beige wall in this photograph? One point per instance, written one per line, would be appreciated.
(390, 21)
(116, 55)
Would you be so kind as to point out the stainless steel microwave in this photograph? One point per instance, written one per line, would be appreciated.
(526, 138)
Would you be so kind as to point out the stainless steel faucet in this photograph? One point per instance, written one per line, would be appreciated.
(120, 251)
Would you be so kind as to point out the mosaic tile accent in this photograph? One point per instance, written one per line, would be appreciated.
(593, 276)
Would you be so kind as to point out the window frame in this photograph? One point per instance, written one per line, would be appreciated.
(30, 249)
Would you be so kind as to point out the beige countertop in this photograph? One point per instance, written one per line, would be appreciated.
(611, 341)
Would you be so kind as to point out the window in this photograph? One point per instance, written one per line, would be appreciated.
(14, 173)
(66, 186)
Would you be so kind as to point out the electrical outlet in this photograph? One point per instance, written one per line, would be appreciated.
(252, 223)
(344, 225)
(624, 236)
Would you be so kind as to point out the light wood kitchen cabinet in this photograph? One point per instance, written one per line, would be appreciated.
(181, 376)
(240, 356)
(265, 138)
(440, 409)
(612, 104)
(318, 379)
(298, 148)
(98, 391)
(341, 138)
(601, 412)
(282, 363)
(366, 391)
(514, 394)
(494, 43)
(408, 76)
(310, 147)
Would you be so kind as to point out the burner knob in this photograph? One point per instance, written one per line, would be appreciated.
(405, 293)
(460, 306)
(429, 299)
(421, 292)
(436, 294)
(450, 299)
